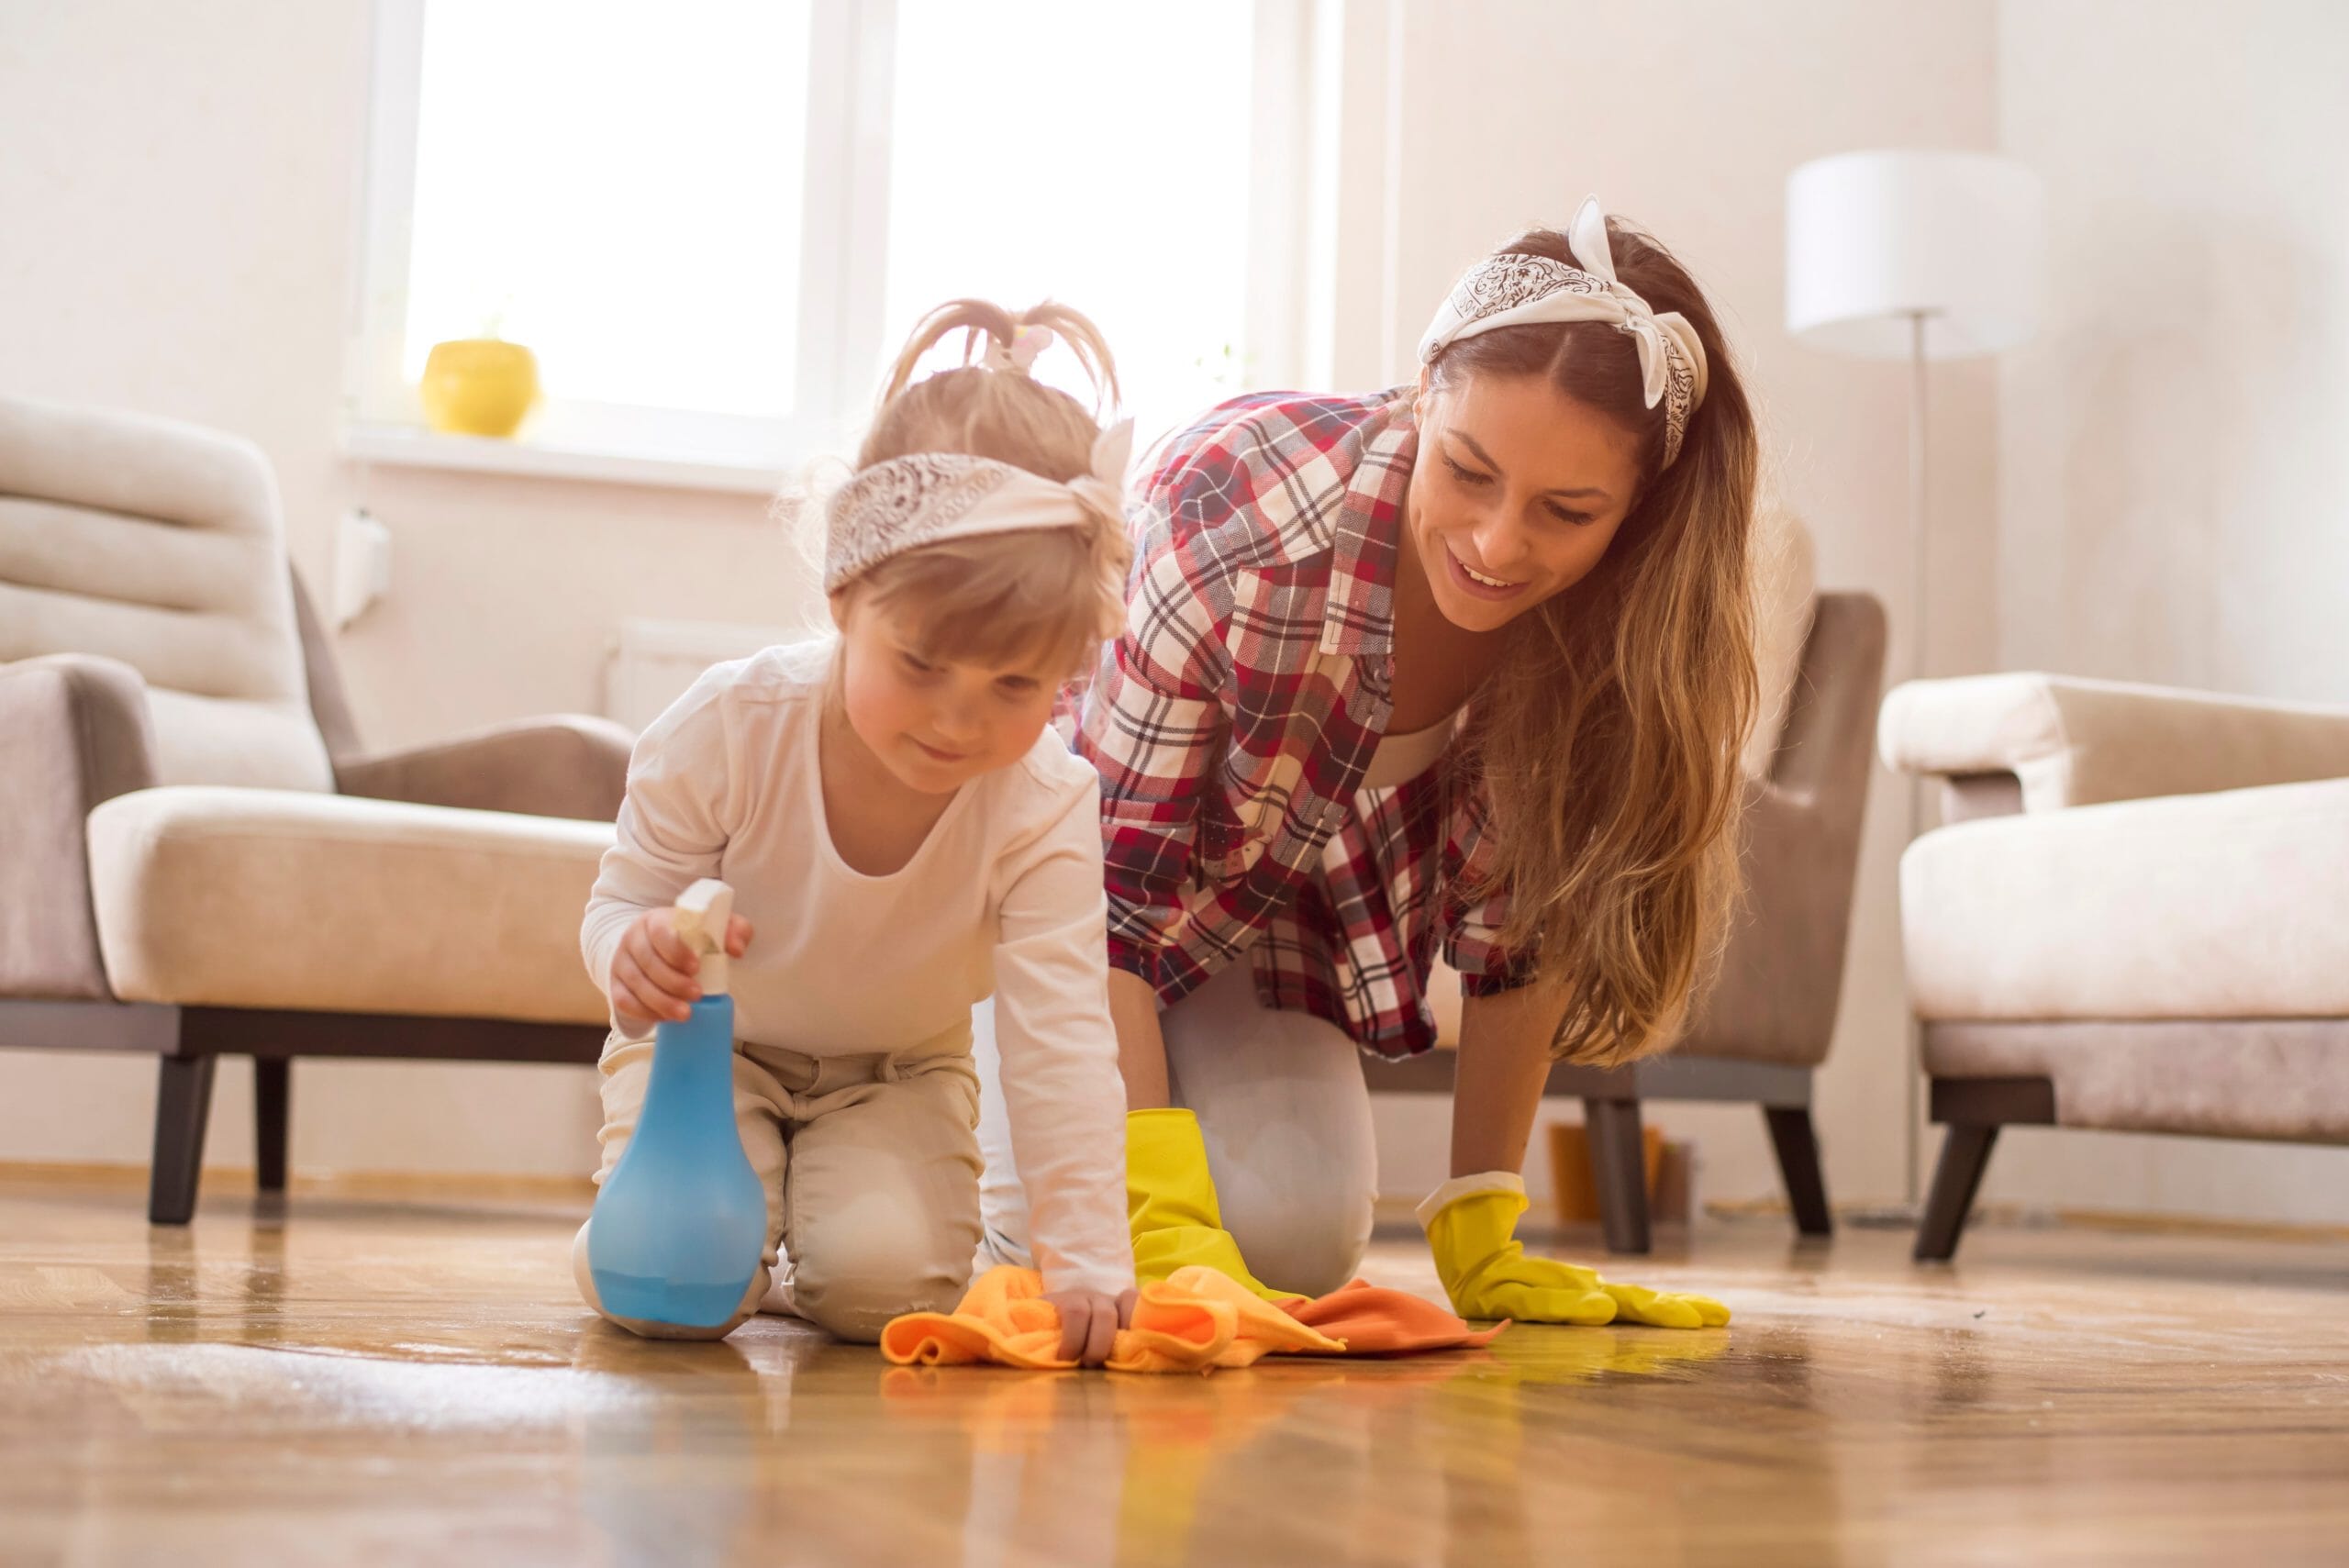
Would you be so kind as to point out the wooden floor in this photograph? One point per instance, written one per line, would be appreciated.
(348, 1382)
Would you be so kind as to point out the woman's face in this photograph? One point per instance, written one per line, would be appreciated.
(1516, 492)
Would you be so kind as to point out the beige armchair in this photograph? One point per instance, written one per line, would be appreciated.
(196, 856)
(2136, 920)
(1763, 1028)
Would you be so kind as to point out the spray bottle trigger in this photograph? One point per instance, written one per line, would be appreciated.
(700, 915)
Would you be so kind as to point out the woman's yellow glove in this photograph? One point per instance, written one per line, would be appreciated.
(1471, 1223)
(1171, 1204)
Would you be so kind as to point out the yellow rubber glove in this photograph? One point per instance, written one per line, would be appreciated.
(1171, 1204)
(1471, 1223)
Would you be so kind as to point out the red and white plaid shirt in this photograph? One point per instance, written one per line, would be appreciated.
(1234, 719)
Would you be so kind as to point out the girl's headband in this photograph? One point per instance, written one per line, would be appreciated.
(923, 498)
(1520, 291)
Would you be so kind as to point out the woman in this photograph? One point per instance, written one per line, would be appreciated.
(1465, 666)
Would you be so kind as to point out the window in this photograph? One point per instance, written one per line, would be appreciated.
(713, 220)
(1103, 163)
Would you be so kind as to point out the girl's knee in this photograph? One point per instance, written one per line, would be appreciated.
(850, 1280)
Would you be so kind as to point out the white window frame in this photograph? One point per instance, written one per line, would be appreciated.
(844, 236)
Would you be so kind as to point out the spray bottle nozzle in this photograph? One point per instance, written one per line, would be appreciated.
(700, 915)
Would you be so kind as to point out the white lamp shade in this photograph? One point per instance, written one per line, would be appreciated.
(1874, 238)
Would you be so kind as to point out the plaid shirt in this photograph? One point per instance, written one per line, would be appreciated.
(1233, 720)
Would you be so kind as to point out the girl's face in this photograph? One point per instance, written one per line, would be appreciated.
(1516, 492)
(934, 726)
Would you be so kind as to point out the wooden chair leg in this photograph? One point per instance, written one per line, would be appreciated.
(1798, 1148)
(1619, 1160)
(273, 1108)
(1958, 1176)
(183, 1107)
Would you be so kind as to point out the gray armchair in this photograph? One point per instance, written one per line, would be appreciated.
(188, 820)
(1764, 1026)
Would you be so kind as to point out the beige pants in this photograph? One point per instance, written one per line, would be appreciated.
(870, 1165)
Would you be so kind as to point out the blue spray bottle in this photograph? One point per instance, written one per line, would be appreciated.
(680, 1223)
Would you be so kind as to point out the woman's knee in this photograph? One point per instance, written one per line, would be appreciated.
(1285, 1118)
(1311, 1238)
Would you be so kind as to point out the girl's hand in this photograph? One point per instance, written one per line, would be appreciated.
(1089, 1323)
(653, 973)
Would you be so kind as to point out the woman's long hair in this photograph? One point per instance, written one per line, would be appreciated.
(1608, 742)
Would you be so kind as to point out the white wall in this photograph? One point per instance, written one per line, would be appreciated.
(179, 188)
(2174, 445)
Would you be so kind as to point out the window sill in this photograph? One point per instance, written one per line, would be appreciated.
(412, 446)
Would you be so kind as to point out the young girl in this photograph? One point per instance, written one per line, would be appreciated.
(905, 835)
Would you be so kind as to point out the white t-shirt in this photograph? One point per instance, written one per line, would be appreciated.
(1004, 896)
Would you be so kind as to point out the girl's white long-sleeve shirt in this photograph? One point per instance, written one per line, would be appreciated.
(1004, 896)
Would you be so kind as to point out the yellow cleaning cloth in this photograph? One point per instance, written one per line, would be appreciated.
(1196, 1319)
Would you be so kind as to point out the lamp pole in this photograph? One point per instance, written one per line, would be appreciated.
(1912, 1139)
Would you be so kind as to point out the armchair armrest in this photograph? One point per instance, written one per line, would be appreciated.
(75, 731)
(2078, 742)
(562, 765)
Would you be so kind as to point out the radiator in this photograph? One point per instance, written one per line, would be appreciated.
(652, 661)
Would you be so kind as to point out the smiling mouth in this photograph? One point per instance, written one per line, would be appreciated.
(1495, 586)
(936, 755)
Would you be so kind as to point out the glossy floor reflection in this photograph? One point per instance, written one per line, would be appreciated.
(354, 1382)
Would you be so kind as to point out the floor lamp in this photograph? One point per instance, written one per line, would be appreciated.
(1922, 256)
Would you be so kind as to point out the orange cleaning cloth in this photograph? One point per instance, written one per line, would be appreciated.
(1376, 1321)
(1196, 1319)
(1192, 1320)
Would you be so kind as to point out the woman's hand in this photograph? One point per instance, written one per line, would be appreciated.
(1089, 1323)
(1471, 1224)
(1471, 1220)
(653, 973)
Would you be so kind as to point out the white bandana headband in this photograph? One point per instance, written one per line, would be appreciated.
(924, 497)
(1523, 291)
